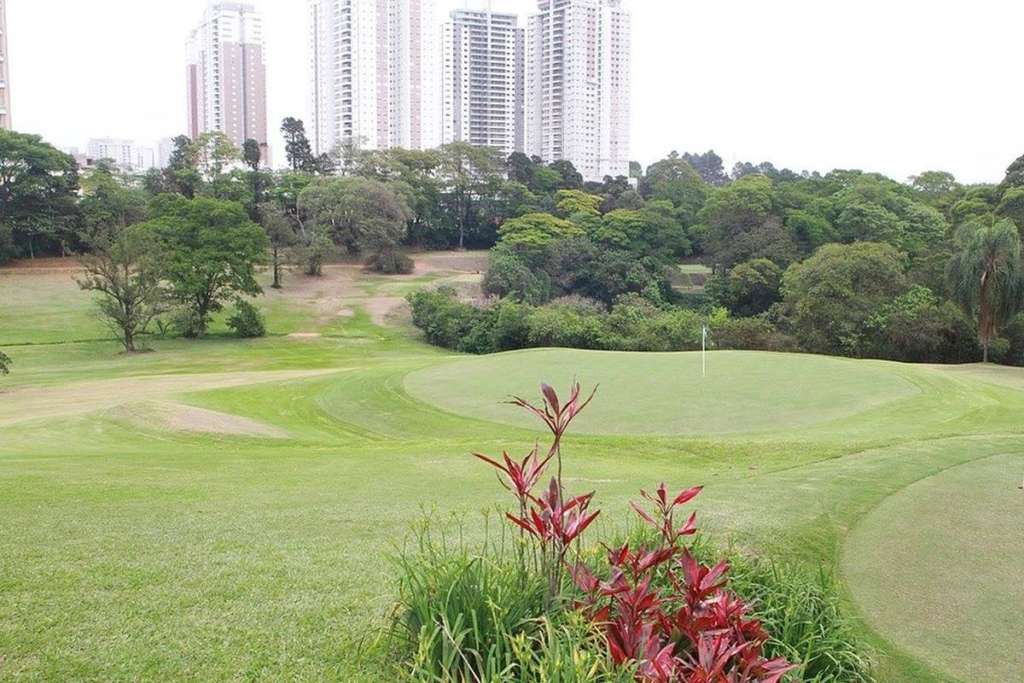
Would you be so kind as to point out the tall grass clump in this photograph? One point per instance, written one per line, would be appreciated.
(469, 613)
(801, 609)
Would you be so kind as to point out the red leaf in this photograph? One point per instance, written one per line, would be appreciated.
(687, 496)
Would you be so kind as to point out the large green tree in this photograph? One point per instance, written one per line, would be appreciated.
(297, 149)
(832, 295)
(675, 180)
(109, 205)
(986, 276)
(537, 230)
(364, 216)
(124, 269)
(38, 193)
(468, 174)
(741, 222)
(281, 235)
(209, 251)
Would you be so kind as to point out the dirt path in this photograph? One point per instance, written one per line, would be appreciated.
(80, 398)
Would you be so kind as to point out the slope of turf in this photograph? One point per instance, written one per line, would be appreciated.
(665, 393)
(939, 568)
(130, 551)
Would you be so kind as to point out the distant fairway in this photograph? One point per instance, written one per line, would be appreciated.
(664, 393)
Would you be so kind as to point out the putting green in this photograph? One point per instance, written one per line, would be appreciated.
(664, 393)
(938, 569)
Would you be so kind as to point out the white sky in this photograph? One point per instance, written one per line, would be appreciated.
(897, 86)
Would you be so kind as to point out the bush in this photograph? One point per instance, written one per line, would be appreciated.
(450, 323)
(391, 263)
(651, 609)
(565, 326)
(247, 321)
(753, 334)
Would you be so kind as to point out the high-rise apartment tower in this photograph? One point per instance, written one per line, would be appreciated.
(375, 78)
(578, 85)
(5, 82)
(482, 66)
(226, 75)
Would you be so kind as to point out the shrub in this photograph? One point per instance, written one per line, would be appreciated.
(686, 630)
(391, 262)
(247, 321)
(510, 326)
(801, 610)
(649, 609)
(443, 318)
(566, 327)
(755, 334)
(5, 364)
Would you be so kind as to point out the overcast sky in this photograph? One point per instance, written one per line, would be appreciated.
(897, 86)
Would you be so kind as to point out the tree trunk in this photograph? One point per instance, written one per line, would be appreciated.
(984, 351)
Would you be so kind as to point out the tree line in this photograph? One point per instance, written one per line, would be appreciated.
(848, 262)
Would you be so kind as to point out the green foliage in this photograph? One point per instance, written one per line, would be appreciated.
(803, 612)
(471, 614)
(986, 275)
(751, 334)
(297, 149)
(38, 193)
(5, 364)
(125, 270)
(508, 275)
(832, 295)
(364, 216)
(208, 251)
(391, 262)
(214, 151)
(740, 222)
(281, 235)
(919, 327)
(247, 322)
(632, 324)
(673, 179)
(810, 229)
(748, 289)
(571, 202)
(536, 230)
(653, 231)
(1012, 206)
(108, 206)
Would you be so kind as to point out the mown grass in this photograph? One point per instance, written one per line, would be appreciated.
(129, 552)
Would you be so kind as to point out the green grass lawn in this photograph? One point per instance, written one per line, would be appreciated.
(132, 550)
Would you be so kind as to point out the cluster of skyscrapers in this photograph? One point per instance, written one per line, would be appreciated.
(558, 87)
(383, 74)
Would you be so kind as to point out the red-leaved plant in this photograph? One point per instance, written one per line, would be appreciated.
(659, 608)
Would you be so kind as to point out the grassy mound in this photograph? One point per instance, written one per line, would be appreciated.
(665, 393)
(938, 569)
